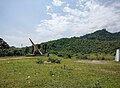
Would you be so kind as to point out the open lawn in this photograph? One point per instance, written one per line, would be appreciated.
(70, 73)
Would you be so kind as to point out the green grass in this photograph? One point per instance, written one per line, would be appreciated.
(26, 73)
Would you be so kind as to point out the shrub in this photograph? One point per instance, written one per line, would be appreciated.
(40, 61)
(59, 55)
(53, 60)
(81, 56)
(53, 52)
(57, 61)
(64, 54)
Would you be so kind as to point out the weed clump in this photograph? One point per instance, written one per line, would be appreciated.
(49, 60)
(39, 61)
(54, 60)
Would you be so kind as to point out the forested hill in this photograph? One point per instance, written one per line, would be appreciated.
(102, 35)
(3, 44)
(100, 41)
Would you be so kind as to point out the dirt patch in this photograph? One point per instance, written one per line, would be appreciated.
(93, 61)
(13, 58)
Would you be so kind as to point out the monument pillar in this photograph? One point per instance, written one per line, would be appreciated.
(35, 50)
(117, 57)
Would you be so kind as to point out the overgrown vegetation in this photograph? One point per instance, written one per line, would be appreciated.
(70, 71)
(12, 51)
(94, 56)
(98, 45)
(25, 73)
(49, 60)
(103, 35)
(77, 45)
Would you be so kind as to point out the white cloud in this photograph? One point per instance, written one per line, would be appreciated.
(76, 22)
(55, 26)
(117, 5)
(74, 12)
(48, 7)
(67, 4)
(16, 41)
(57, 2)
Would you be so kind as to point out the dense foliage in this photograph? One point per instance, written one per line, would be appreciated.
(14, 51)
(98, 42)
(77, 45)
(102, 35)
(3, 44)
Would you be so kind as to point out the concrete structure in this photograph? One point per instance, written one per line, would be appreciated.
(117, 57)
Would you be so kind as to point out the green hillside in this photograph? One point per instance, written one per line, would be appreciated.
(100, 42)
(102, 35)
(3, 44)
(6, 50)
(77, 45)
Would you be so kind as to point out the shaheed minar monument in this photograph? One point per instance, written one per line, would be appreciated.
(117, 57)
(36, 49)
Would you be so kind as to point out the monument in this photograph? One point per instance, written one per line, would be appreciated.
(35, 50)
(117, 57)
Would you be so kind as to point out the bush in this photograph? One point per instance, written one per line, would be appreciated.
(40, 61)
(81, 56)
(54, 60)
(100, 56)
(64, 54)
(57, 61)
(53, 52)
(59, 55)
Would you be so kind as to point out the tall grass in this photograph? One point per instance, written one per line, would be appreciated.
(94, 56)
(26, 73)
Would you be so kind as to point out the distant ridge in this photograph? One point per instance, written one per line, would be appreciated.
(3, 44)
(102, 35)
(100, 41)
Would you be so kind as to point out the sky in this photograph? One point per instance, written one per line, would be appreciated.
(45, 20)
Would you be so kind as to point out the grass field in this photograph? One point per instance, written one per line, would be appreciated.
(24, 72)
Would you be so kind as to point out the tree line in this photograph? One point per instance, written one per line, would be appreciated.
(99, 42)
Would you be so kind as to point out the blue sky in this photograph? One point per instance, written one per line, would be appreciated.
(44, 20)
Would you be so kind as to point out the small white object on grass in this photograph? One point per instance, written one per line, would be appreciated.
(28, 76)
